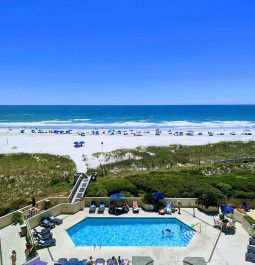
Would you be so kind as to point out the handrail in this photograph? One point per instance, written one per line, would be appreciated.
(75, 187)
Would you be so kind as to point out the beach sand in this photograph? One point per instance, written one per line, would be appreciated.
(62, 144)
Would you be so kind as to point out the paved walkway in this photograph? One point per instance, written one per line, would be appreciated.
(217, 248)
(10, 240)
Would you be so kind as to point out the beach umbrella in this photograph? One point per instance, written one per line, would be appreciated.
(117, 196)
(37, 262)
(75, 143)
(82, 142)
(158, 196)
(226, 209)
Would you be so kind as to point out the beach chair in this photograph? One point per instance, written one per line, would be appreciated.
(100, 262)
(46, 223)
(46, 243)
(54, 220)
(93, 207)
(110, 262)
(73, 260)
(168, 208)
(43, 236)
(124, 262)
(41, 230)
(62, 261)
(252, 241)
(246, 207)
(250, 257)
(250, 248)
(135, 207)
(161, 210)
(101, 207)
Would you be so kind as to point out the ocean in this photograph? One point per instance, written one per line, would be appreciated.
(96, 117)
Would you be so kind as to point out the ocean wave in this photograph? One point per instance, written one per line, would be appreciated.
(84, 123)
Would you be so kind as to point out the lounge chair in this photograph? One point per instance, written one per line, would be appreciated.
(252, 241)
(250, 257)
(43, 236)
(63, 261)
(135, 207)
(250, 248)
(110, 262)
(54, 220)
(100, 262)
(217, 223)
(161, 210)
(124, 262)
(246, 207)
(41, 231)
(168, 208)
(46, 243)
(73, 260)
(46, 223)
(101, 207)
(93, 207)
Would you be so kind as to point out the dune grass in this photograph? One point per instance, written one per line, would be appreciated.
(40, 175)
(182, 171)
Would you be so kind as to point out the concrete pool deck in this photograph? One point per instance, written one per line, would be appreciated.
(214, 246)
(217, 248)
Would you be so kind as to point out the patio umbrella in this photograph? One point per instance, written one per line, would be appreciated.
(75, 143)
(37, 262)
(117, 196)
(226, 209)
(158, 196)
(82, 142)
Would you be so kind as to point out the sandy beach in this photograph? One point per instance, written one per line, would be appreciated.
(12, 141)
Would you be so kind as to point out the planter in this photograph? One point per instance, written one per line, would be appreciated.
(148, 207)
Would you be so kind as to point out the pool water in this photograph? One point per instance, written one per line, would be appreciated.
(131, 232)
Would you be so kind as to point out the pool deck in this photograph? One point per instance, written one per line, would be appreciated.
(214, 246)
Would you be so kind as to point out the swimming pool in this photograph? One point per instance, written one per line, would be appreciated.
(131, 232)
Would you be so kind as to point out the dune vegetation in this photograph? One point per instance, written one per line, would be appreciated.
(212, 173)
(40, 175)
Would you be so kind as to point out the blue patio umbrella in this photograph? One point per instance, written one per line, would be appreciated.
(75, 143)
(82, 142)
(226, 209)
(158, 196)
(37, 262)
(117, 196)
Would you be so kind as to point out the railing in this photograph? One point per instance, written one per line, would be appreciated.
(75, 187)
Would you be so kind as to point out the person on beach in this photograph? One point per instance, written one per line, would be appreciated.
(14, 257)
(90, 261)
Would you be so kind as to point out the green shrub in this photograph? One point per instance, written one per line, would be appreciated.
(17, 218)
(103, 188)
(147, 198)
(211, 197)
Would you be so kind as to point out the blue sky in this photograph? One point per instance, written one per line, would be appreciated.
(127, 52)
